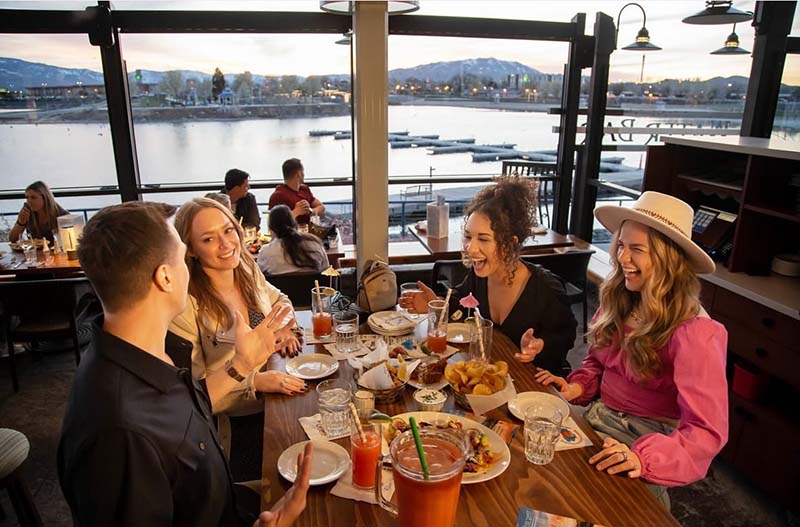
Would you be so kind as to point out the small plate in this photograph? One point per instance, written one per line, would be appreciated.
(392, 323)
(458, 333)
(520, 403)
(312, 366)
(432, 386)
(417, 352)
(330, 461)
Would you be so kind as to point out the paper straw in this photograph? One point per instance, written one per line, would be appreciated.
(357, 421)
(319, 296)
(479, 326)
(420, 452)
(443, 320)
(240, 220)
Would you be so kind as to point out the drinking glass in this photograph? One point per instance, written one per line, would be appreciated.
(408, 290)
(250, 234)
(364, 454)
(365, 404)
(542, 430)
(437, 326)
(334, 406)
(476, 349)
(345, 324)
(321, 309)
(422, 502)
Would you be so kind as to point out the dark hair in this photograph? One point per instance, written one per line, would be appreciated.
(235, 177)
(121, 247)
(283, 224)
(510, 205)
(290, 166)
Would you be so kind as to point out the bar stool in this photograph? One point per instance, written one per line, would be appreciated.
(14, 448)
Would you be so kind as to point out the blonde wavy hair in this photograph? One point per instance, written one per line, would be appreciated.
(667, 299)
(200, 287)
(50, 207)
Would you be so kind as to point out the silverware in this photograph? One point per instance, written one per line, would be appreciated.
(16, 265)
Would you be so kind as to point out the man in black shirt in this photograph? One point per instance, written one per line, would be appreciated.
(243, 202)
(138, 445)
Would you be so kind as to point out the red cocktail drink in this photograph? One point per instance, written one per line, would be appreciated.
(437, 342)
(322, 324)
(365, 456)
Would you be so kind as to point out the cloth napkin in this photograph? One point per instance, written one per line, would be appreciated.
(344, 488)
(312, 426)
(572, 436)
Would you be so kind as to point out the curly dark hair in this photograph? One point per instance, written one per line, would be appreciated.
(510, 205)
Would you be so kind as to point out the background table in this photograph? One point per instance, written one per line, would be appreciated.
(450, 248)
(568, 486)
(59, 266)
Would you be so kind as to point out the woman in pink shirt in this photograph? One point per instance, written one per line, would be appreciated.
(654, 378)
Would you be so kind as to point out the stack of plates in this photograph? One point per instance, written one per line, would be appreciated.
(390, 323)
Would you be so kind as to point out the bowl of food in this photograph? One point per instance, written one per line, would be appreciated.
(475, 377)
(397, 374)
(430, 400)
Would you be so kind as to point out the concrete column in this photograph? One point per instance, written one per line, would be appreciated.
(370, 90)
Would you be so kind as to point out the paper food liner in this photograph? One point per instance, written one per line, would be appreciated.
(483, 403)
(379, 378)
(379, 354)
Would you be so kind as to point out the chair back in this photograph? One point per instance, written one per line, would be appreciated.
(544, 172)
(40, 299)
(297, 286)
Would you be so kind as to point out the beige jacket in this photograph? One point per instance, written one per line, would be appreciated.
(212, 349)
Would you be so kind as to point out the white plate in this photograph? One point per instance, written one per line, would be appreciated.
(417, 352)
(520, 403)
(433, 386)
(312, 366)
(330, 461)
(496, 444)
(391, 323)
(457, 333)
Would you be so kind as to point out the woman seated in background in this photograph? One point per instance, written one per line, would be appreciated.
(290, 251)
(525, 302)
(654, 378)
(38, 214)
(224, 283)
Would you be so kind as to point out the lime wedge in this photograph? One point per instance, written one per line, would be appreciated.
(378, 417)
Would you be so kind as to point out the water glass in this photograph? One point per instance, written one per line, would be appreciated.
(480, 342)
(345, 326)
(409, 290)
(437, 326)
(30, 255)
(542, 430)
(334, 406)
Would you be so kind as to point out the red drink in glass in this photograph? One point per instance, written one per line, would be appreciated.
(365, 456)
(322, 325)
(437, 342)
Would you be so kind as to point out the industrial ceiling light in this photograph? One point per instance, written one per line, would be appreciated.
(642, 42)
(731, 46)
(718, 12)
(348, 7)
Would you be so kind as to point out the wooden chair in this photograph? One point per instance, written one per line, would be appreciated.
(39, 310)
(545, 174)
(14, 449)
(570, 267)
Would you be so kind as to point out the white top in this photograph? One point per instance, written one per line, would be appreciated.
(742, 145)
(272, 260)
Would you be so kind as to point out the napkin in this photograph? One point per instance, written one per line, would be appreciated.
(308, 336)
(339, 355)
(393, 322)
(344, 488)
(483, 403)
(312, 426)
(572, 436)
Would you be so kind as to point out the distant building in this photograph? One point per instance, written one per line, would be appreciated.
(75, 91)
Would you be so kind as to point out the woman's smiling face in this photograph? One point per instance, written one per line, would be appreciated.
(480, 245)
(214, 240)
(633, 255)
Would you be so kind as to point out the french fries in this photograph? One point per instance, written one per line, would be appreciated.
(477, 377)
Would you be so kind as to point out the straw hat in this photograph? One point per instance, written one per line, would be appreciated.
(666, 214)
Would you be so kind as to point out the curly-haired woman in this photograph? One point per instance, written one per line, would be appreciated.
(38, 214)
(654, 378)
(525, 302)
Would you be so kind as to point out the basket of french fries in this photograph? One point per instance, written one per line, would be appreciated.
(390, 374)
(477, 384)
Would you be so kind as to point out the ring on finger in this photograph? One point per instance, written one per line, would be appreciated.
(624, 456)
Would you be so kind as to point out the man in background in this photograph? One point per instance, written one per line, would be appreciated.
(295, 194)
(243, 203)
(138, 444)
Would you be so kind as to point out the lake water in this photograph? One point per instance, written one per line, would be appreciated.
(66, 155)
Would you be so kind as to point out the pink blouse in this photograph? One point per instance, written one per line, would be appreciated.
(691, 388)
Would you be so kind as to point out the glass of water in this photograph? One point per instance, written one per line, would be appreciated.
(29, 250)
(409, 289)
(345, 327)
(334, 406)
(542, 430)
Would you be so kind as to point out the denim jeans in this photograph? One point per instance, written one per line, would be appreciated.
(626, 429)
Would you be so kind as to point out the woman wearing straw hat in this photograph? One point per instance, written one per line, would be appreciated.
(654, 378)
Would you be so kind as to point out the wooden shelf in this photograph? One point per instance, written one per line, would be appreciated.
(782, 213)
(723, 189)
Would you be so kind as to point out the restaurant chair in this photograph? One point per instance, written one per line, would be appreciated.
(14, 449)
(297, 286)
(545, 173)
(40, 310)
(569, 266)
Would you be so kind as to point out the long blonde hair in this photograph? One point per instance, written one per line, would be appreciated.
(668, 298)
(200, 287)
(50, 208)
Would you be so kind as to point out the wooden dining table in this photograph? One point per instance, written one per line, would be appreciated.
(567, 486)
(450, 248)
(59, 265)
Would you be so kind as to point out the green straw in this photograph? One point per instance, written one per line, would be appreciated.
(417, 441)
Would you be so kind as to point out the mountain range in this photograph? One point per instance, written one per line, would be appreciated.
(16, 74)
